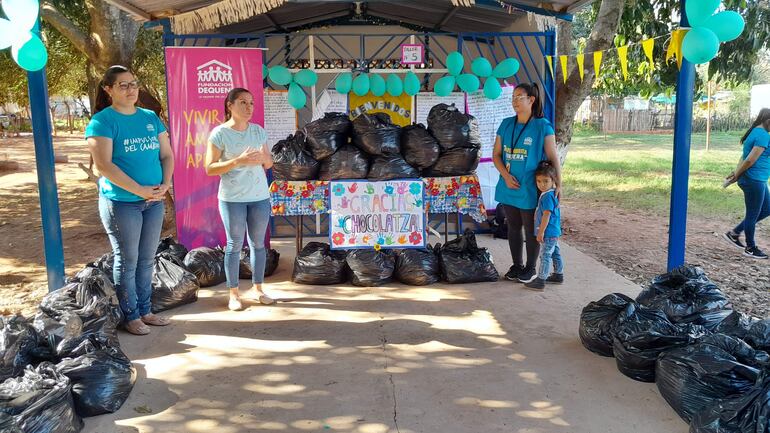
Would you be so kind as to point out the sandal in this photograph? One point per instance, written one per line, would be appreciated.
(152, 319)
(136, 327)
(266, 300)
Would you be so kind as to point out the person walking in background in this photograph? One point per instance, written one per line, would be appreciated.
(522, 142)
(751, 175)
(131, 150)
(237, 151)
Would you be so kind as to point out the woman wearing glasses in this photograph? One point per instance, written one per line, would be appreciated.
(131, 150)
(522, 142)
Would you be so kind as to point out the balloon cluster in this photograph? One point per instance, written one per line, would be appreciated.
(708, 29)
(282, 76)
(16, 32)
(481, 67)
(365, 83)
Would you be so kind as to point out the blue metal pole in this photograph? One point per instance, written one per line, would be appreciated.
(550, 83)
(46, 176)
(680, 171)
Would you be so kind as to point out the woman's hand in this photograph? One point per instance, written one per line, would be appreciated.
(511, 182)
(250, 156)
(729, 180)
(151, 193)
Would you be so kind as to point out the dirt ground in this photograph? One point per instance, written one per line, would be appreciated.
(632, 244)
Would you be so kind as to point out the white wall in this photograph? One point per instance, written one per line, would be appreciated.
(760, 98)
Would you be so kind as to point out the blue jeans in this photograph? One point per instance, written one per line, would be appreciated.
(549, 252)
(251, 218)
(134, 231)
(757, 199)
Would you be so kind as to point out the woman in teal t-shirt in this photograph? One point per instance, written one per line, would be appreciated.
(237, 151)
(522, 142)
(131, 150)
(752, 174)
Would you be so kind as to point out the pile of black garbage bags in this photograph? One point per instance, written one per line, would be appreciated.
(372, 147)
(66, 363)
(458, 261)
(709, 361)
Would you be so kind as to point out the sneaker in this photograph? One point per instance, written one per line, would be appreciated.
(754, 253)
(536, 284)
(527, 275)
(555, 278)
(513, 273)
(734, 239)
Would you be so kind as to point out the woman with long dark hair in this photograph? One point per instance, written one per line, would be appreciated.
(522, 142)
(131, 150)
(238, 152)
(752, 174)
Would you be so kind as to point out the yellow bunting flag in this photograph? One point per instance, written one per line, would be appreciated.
(549, 59)
(648, 45)
(675, 46)
(623, 56)
(597, 62)
(580, 59)
(563, 60)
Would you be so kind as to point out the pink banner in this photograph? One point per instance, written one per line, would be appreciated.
(198, 81)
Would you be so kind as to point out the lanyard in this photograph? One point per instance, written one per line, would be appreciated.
(515, 137)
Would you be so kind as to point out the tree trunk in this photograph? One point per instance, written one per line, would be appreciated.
(569, 96)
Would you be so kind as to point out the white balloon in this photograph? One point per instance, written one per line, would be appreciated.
(7, 34)
(22, 13)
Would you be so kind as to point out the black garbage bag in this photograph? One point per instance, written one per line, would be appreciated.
(327, 134)
(498, 224)
(736, 325)
(716, 367)
(452, 128)
(455, 162)
(663, 284)
(172, 285)
(641, 334)
(371, 268)
(391, 167)
(744, 413)
(376, 135)
(101, 376)
(347, 163)
(417, 267)
(20, 345)
(245, 266)
(597, 321)
(172, 250)
(462, 261)
(291, 160)
(105, 263)
(40, 401)
(758, 335)
(318, 264)
(92, 282)
(207, 264)
(420, 149)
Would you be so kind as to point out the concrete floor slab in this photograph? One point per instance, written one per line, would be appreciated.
(487, 357)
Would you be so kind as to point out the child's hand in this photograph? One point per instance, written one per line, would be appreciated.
(541, 237)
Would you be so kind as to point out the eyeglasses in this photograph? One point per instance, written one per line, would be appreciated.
(520, 97)
(125, 85)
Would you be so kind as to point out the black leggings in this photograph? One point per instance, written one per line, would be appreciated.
(518, 219)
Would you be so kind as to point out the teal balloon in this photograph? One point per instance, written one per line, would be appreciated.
(306, 77)
(22, 13)
(492, 89)
(481, 67)
(468, 83)
(280, 75)
(32, 56)
(296, 96)
(444, 85)
(699, 10)
(264, 72)
(361, 85)
(394, 84)
(727, 25)
(455, 63)
(344, 83)
(377, 85)
(411, 84)
(506, 68)
(700, 45)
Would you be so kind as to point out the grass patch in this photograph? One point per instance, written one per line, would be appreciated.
(634, 172)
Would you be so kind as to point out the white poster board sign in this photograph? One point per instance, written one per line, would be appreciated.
(280, 117)
(330, 101)
(427, 100)
(368, 215)
(490, 113)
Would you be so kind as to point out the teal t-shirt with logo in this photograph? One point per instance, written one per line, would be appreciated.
(521, 158)
(241, 184)
(760, 171)
(135, 148)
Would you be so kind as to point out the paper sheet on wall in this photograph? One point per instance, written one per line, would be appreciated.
(330, 101)
(490, 113)
(280, 117)
(427, 100)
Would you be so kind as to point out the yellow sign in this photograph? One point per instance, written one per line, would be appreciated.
(399, 108)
